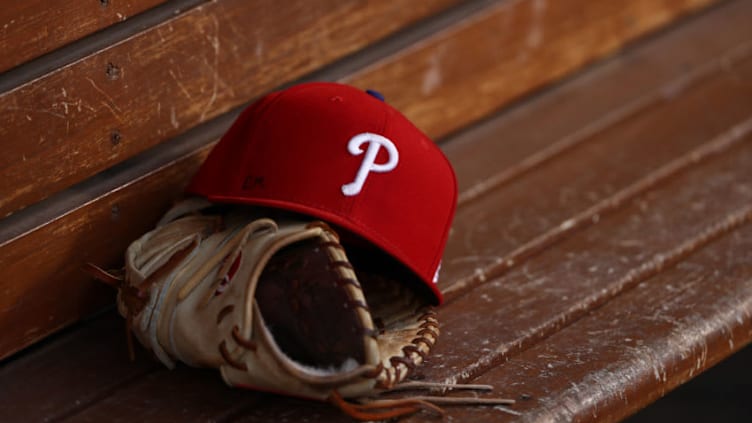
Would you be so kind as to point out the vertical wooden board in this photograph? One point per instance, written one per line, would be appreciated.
(638, 346)
(45, 287)
(475, 68)
(85, 117)
(31, 28)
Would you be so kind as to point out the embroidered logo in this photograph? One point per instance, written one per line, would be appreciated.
(368, 165)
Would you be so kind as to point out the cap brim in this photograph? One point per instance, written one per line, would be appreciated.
(337, 220)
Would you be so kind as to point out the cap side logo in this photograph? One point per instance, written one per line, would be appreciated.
(375, 143)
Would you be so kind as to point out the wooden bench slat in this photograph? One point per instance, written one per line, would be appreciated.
(483, 63)
(31, 28)
(613, 91)
(57, 379)
(182, 395)
(639, 346)
(83, 118)
(558, 286)
(44, 267)
(519, 219)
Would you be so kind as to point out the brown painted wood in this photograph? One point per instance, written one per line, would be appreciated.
(73, 371)
(587, 105)
(92, 220)
(186, 395)
(637, 347)
(49, 260)
(594, 267)
(515, 228)
(31, 28)
(476, 67)
(83, 118)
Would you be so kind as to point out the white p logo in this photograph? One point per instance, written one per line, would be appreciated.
(375, 142)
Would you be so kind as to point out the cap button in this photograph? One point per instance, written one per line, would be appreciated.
(374, 93)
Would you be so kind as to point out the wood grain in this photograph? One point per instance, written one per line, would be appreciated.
(663, 228)
(639, 346)
(551, 290)
(617, 160)
(476, 67)
(92, 220)
(31, 28)
(83, 118)
(95, 355)
(46, 288)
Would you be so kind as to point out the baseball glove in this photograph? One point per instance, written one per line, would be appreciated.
(274, 303)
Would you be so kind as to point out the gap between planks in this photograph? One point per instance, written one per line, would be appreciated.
(92, 43)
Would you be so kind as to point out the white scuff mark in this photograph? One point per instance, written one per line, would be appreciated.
(536, 34)
(567, 224)
(28, 118)
(31, 110)
(161, 37)
(67, 104)
(112, 110)
(259, 47)
(110, 103)
(432, 78)
(173, 118)
(65, 93)
(180, 85)
(214, 40)
(480, 274)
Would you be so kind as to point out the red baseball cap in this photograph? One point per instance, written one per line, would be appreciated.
(344, 156)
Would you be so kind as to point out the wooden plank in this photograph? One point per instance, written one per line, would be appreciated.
(537, 299)
(93, 218)
(649, 234)
(475, 68)
(94, 355)
(637, 347)
(612, 91)
(85, 117)
(451, 358)
(186, 395)
(506, 225)
(31, 28)
(48, 263)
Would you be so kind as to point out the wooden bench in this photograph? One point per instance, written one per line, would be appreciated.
(601, 252)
